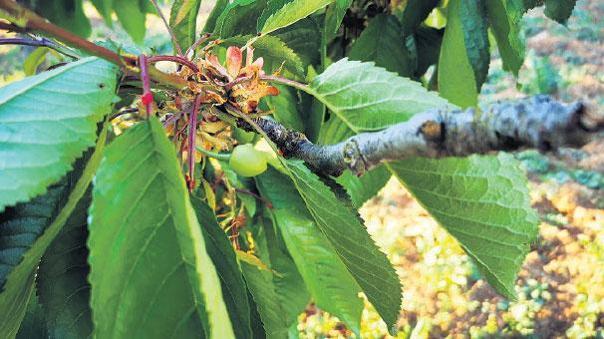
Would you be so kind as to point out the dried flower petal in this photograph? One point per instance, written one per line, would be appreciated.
(233, 61)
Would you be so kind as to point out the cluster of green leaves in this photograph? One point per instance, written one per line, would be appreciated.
(137, 255)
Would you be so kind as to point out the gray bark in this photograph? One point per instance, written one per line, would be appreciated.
(537, 122)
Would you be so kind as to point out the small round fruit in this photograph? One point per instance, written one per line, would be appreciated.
(247, 161)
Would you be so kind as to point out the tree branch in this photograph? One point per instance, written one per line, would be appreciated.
(42, 42)
(33, 21)
(537, 122)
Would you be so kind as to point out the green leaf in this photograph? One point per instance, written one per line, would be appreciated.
(559, 10)
(147, 253)
(341, 225)
(313, 111)
(20, 226)
(289, 284)
(34, 60)
(183, 20)
(505, 17)
(239, 18)
(291, 13)
(361, 189)
(63, 288)
(274, 52)
(221, 252)
(326, 277)
(474, 22)
(415, 12)
(47, 121)
(68, 14)
(105, 8)
(367, 97)
(427, 41)
(132, 17)
(333, 17)
(457, 76)
(382, 42)
(20, 281)
(34, 324)
(334, 131)
(483, 202)
(304, 38)
(260, 285)
(284, 108)
(219, 7)
(272, 6)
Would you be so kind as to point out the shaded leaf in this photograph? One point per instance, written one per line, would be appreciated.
(62, 285)
(304, 38)
(20, 281)
(284, 108)
(68, 14)
(221, 252)
(183, 21)
(483, 202)
(505, 18)
(326, 277)
(361, 189)
(34, 323)
(415, 12)
(559, 10)
(333, 17)
(262, 289)
(313, 111)
(217, 10)
(428, 42)
(382, 42)
(141, 211)
(456, 76)
(239, 18)
(289, 284)
(357, 250)
(105, 8)
(132, 17)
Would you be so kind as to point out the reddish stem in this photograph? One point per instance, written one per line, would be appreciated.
(147, 97)
(176, 59)
(192, 140)
(199, 41)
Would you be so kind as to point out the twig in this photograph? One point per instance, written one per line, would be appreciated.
(170, 31)
(9, 27)
(175, 59)
(219, 156)
(147, 98)
(43, 42)
(192, 140)
(288, 82)
(37, 23)
(537, 122)
(199, 41)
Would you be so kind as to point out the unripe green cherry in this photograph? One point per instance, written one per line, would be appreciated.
(247, 161)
